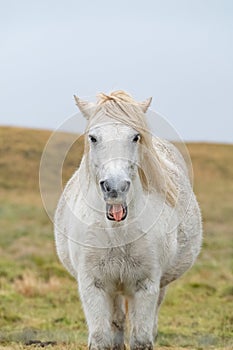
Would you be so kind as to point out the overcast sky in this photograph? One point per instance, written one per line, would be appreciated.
(178, 51)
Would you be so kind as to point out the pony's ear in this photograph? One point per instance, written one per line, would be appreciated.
(85, 107)
(145, 104)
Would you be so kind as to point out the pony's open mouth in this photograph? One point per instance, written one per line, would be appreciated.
(116, 212)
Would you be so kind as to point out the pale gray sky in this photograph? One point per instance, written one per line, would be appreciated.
(178, 51)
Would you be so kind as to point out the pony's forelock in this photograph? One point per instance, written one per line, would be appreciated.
(116, 96)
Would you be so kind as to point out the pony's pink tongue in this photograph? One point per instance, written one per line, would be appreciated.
(117, 212)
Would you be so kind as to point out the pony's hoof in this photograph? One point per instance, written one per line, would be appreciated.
(142, 346)
(119, 347)
(99, 347)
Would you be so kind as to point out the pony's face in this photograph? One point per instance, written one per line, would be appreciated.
(114, 157)
(114, 146)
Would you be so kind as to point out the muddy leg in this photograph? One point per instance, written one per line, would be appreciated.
(142, 308)
(98, 309)
(118, 323)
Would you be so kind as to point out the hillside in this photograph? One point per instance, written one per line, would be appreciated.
(39, 299)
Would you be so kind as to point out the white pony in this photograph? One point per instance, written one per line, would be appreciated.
(127, 223)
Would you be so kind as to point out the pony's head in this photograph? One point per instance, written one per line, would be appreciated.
(119, 147)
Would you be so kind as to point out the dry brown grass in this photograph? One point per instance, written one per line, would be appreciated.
(30, 285)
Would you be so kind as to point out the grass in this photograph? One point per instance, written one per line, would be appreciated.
(39, 300)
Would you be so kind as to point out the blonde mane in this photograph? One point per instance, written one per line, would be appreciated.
(121, 107)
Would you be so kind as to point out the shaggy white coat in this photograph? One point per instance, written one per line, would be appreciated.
(132, 260)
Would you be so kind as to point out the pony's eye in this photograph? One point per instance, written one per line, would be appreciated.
(93, 139)
(136, 138)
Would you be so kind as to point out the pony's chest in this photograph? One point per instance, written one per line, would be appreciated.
(122, 270)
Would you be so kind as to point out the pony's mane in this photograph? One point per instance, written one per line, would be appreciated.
(121, 107)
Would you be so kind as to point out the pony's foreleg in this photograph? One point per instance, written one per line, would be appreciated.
(118, 323)
(142, 309)
(98, 309)
(159, 302)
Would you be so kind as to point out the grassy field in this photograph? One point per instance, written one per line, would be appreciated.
(39, 300)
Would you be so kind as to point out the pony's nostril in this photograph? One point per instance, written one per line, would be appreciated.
(102, 186)
(105, 186)
(125, 186)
